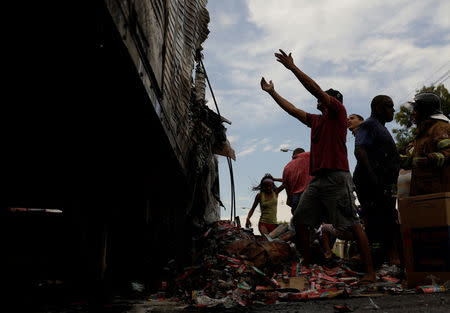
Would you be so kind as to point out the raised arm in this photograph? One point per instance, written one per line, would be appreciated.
(281, 188)
(304, 79)
(255, 204)
(283, 103)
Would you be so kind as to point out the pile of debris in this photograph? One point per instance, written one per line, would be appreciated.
(234, 267)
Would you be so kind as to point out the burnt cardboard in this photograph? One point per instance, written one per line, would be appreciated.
(299, 283)
(430, 180)
(426, 237)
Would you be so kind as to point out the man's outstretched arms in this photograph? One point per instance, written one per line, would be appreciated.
(283, 103)
(304, 79)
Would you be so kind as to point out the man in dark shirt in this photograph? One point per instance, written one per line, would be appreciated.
(376, 175)
(329, 195)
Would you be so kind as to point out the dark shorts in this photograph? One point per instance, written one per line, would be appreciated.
(295, 200)
(328, 198)
(377, 205)
(380, 214)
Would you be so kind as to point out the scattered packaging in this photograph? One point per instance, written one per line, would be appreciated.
(233, 267)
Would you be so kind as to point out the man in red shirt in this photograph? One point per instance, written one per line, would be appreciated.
(296, 177)
(329, 195)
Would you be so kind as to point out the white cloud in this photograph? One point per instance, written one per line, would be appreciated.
(364, 48)
(232, 139)
(441, 17)
(247, 151)
(226, 20)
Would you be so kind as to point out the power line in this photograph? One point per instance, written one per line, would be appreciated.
(230, 164)
(440, 67)
(444, 77)
(440, 78)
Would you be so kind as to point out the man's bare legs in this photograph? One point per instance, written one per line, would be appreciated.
(326, 245)
(302, 243)
(363, 246)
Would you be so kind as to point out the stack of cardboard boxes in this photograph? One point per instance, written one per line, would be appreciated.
(425, 225)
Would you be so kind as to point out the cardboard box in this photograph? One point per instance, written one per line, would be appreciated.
(426, 237)
(430, 180)
(299, 283)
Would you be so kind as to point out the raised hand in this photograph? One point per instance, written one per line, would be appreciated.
(267, 87)
(285, 59)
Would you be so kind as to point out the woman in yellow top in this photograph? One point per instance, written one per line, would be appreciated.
(267, 198)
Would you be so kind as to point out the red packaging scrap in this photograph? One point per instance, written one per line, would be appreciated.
(273, 282)
(342, 308)
(244, 285)
(350, 271)
(305, 272)
(241, 269)
(229, 264)
(348, 279)
(258, 271)
(271, 297)
(207, 232)
(229, 260)
(326, 277)
(394, 289)
(391, 279)
(295, 269)
(331, 273)
(430, 289)
(296, 296)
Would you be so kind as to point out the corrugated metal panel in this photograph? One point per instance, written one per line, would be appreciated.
(166, 34)
(158, 8)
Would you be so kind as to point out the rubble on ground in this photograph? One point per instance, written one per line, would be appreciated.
(233, 267)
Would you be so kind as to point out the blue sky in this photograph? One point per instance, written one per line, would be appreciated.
(362, 48)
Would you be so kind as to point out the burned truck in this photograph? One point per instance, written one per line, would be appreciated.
(111, 150)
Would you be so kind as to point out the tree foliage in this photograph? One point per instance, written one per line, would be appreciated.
(404, 118)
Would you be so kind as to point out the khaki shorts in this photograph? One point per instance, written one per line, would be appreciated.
(329, 199)
(342, 233)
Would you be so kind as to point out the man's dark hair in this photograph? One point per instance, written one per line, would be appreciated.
(358, 116)
(336, 94)
(297, 151)
(379, 101)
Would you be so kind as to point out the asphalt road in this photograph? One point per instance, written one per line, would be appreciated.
(439, 302)
(387, 303)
